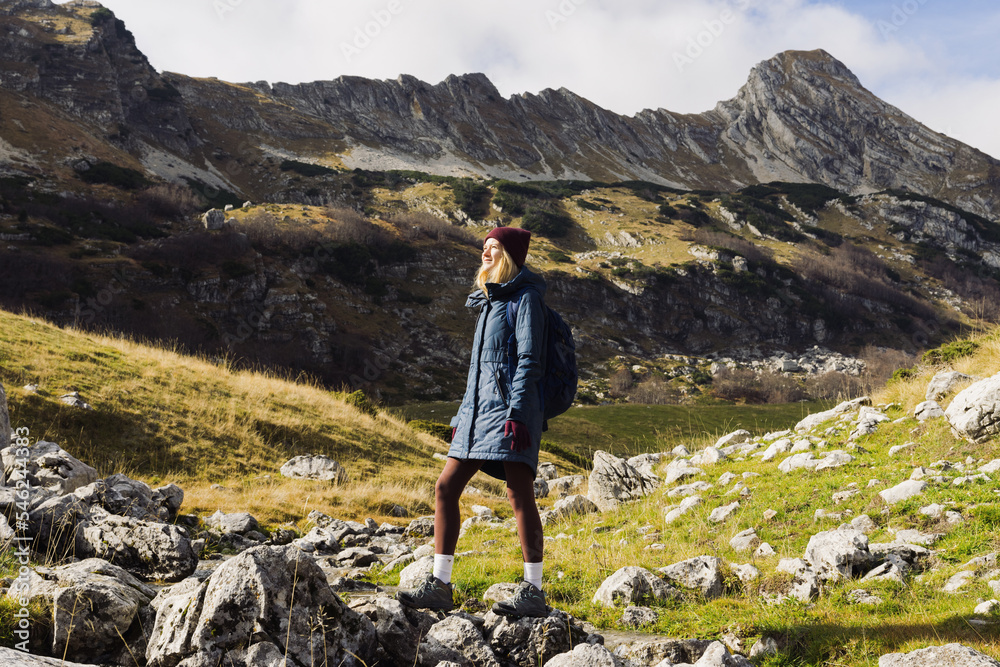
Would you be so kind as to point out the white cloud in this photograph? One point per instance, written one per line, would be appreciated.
(625, 55)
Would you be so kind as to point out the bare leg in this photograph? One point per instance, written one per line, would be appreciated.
(447, 491)
(521, 494)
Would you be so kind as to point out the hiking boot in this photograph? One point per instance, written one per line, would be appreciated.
(432, 593)
(526, 601)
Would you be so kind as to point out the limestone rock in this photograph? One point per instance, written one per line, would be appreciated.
(526, 642)
(636, 617)
(716, 655)
(661, 651)
(902, 491)
(671, 514)
(573, 505)
(541, 488)
(13, 658)
(237, 522)
(949, 655)
(814, 420)
(805, 583)
(613, 481)
(146, 549)
(720, 514)
(314, 466)
(679, 472)
(779, 446)
(834, 459)
(745, 541)
(974, 414)
(277, 594)
(837, 554)
(632, 585)
(420, 527)
(646, 463)
(585, 655)
(707, 456)
(944, 383)
(798, 461)
(563, 486)
(547, 471)
(927, 410)
(414, 573)
(213, 219)
(456, 639)
(734, 438)
(703, 574)
(399, 629)
(49, 466)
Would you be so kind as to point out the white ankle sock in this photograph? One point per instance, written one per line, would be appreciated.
(533, 574)
(442, 567)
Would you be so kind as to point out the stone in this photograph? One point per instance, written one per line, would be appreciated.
(691, 489)
(720, 514)
(746, 573)
(745, 541)
(146, 549)
(633, 585)
(399, 629)
(420, 527)
(636, 617)
(413, 574)
(671, 514)
(456, 639)
(48, 466)
(276, 593)
(237, 522)
(5, 430)
(991, 467)
(780, 446)
(903, 491)
(716, 655)
(725, 478)
(805, 584)
(314, 466)
(499, 592)
(896, 449)
(677, 473)
(763, 647)
(987, 608)
(13, 658)
(844, 496)
(814, 420)
(547, 471)
(585, 655)
(613, 481)
(927, 410)
(834, 459)
(836, 554)
(661, 651)
(798, 461)
(173, 498)
(679, 451)
(863, 523)
(213, 219)
(646, 463)
(949, 655)
(734, 438)
(573, 506)
(864, 597)
(765, 550)
(564, 486)
(769, 514)
(958, 581)
(703, 573)
(974, 414)
(541, 488)
(526, 642)
(95, 605)
(707, 456)
(944, 383)
(868, 421)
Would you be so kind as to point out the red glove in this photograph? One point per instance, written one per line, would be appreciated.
(521, 440)
(453, 432)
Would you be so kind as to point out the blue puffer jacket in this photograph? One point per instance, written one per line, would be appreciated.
(491, 395)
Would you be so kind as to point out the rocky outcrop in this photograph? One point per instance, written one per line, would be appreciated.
(613, 482)
(316, 467)
(944, 383)
(265, 595)
(633, 585)
(949, 655)
(48, 466)
(974, 414)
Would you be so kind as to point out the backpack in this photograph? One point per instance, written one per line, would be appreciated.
(559, 376)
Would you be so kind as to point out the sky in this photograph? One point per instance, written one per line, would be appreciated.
(934, 59)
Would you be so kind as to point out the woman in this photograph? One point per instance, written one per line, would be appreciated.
(498, 428)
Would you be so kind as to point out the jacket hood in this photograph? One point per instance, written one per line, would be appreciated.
(525, 279)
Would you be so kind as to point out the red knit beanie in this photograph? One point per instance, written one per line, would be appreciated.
(514, 241)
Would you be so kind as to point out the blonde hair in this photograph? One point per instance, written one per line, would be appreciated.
(503, 271)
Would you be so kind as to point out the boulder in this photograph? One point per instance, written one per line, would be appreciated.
(123, 496)
(927, 410)
(527, 642)
(266, 594)
(646, 463)
(720, 514)
(780, 446)
(636, 617)
(563, 486)
(949, 655)
(944, 383)
(671, 514)
(541, 488)
(834, 459)
(633, 585)
(656, 651)
(703, 574)
(13, 658)
(691, 489)
(98, 609)
(734, 438)
(399, 629)
(676, 473)
(798, 461)
(707, 456)
(805, 584)
(413, 574)
(237, 522)
(745, 541)
(146, 549)
(5, 430)
(613, 481)
(836, 554)
(902, 491)
(547, 471)
(573, 505)
(585, 655)
(716, 655)
(316, 467)
(456, 639)
(213, 219)
(868, 421)
(420, 527)
(48, 466)
(974, 414)
(814, 420)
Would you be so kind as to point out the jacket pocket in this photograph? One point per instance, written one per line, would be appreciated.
(501, 385)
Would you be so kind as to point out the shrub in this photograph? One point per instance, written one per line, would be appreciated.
(553, 223)
(306, 169)
(667, 211)
(101, 15)
(361, 402)
(950, 352)
(620, 382)
(471, 197)
(654, 392)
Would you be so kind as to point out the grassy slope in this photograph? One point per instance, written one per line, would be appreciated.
(832, 630)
